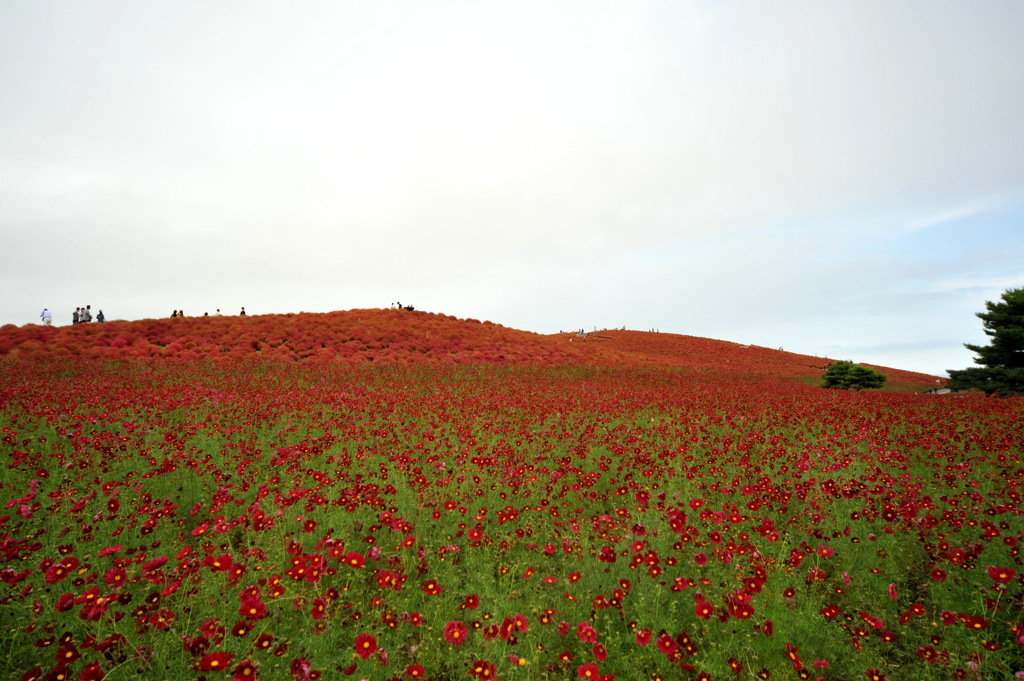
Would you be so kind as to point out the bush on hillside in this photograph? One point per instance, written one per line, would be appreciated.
(848, 375)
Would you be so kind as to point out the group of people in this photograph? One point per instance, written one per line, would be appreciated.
(81, 315)
(399, 306)
(181, 313)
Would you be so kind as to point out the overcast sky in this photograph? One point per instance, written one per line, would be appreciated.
(836, 178)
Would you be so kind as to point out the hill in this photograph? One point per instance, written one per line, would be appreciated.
(361, 336)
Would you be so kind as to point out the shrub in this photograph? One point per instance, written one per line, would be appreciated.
(847, 375)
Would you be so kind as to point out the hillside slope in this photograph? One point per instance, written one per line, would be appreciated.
(404, 337)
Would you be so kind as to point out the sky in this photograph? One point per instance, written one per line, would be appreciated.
(843, 178)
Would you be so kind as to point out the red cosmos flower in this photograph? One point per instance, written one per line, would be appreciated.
(252, 609)
(975, 622)
(735, 665)
(59, 571)
(455, 632)
(415, 671)
(240, 629)
(586, 632)
(67, 654)
(301, 670)
(354, 559)
(264, 641)
(643, 636)
(244, 671)
(588, 670)
(739, 609)
(115, 577)
(600, 653)
(874, 675)
(431, 587)
(215, 661)
(667, 645)
(161, 619)
(791, 653)
(574, 577)
(235, 572)
(815, 575)
(218, 563)
(33, 674)
(213, 629)
(871, 620)
(704, 610)
(365, 644)
(484, 669)
(1001, 574)
(91, 672)
(472, 602)
(831, 612)
(939, 575)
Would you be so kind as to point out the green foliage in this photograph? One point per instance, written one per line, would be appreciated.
(847, 375)
(1001, 369)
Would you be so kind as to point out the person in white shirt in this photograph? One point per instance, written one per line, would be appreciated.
(46, 316)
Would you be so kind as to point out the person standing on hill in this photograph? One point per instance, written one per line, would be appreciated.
(100, 318)
(46, 316)
(242, 313)
(88, 314)
(74, 317)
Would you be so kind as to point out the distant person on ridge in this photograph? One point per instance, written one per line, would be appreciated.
(74, 317)
(100, 318)
(88, 314)
(46, 316)
(174, 315)
(242, 313)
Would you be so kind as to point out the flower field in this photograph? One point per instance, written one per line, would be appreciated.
(458, 500)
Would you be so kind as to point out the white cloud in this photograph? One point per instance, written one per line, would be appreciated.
(720, 168)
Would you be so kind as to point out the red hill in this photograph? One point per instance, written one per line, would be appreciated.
(404, 337)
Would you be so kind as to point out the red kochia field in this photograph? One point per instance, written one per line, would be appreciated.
(387, 495)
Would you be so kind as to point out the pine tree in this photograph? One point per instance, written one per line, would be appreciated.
(1001, 369)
